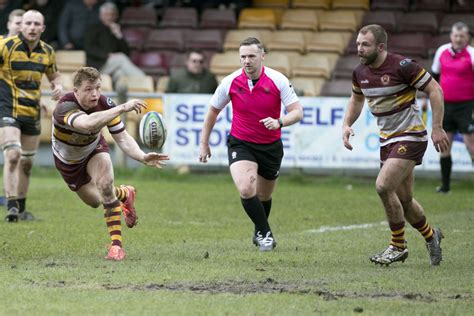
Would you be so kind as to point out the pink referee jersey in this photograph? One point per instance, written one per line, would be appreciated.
(252, 103)
(457, 72)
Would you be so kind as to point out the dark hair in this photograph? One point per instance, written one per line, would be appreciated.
(252, 41)
(85, 74)
(380, 35)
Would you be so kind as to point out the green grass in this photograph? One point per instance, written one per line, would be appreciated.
(191, 252)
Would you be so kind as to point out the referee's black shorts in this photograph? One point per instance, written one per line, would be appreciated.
(267, 156)
(459, 117)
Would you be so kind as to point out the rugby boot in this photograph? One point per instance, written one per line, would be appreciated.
(434, 247)
(128, 209)
(390, 255)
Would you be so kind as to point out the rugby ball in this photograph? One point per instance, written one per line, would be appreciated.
(152, 130)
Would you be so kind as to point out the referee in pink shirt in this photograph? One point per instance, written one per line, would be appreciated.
(454, 62)
(255, 149)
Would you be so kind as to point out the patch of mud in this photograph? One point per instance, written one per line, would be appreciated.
(269, 285)
(272, 286)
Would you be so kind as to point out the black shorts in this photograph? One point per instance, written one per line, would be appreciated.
(459, 117)
(27, 125)
(267, 156)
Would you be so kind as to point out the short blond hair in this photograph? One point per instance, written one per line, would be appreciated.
(85, 74)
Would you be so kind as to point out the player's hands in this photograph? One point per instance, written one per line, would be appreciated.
(204, 152)
(440, 139)
(57, 92)
(270, 123)
(155, 159)
(134, 105)
(346, 133)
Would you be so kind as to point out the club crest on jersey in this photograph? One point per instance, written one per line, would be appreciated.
(385, 79)
(402, 149)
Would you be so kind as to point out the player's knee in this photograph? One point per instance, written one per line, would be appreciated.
(94, 204)
(247, 192)
(12, 157)
(105, 186)
(382, 188)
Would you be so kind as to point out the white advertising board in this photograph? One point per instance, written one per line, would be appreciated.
(315, 142)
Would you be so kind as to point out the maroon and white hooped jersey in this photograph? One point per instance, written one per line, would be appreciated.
(391, 96)
(252, 103)
(71, 145)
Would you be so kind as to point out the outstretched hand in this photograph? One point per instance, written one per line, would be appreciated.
(155, 159)
(134, 105)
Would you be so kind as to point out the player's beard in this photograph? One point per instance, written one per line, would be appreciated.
(367, 60)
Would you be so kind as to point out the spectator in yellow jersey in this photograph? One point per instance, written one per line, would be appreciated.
(24, 59)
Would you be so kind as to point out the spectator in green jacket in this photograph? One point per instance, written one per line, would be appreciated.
(195, 78)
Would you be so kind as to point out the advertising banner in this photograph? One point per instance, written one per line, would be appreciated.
(314, 142)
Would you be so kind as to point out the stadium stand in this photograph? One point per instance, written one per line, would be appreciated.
(332, 42)
(412, 45)
(337, 88)
(421, 22)
(307, 86)
(223, 64)
(271, 3)
(313, 65)
(299, 19)
(162, 84)
(436, 41)
(451, 18)
(169, 39)
(107, 85)
(135, 36)
(180, 18)
(312, 4)
(350, 4)
(258, 18)
(279, 62)
(403, 5)
(387, 19)
(465, 6)
(286, 41)
(218, 19)
(137, 84)
(234, 37)
(344, 67)
(138, 16)
(430, 5)
(338, 21)
(70, 60)
(204, 39)
(153, 63)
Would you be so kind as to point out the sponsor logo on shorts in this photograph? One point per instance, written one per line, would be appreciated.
(8, 120)
(277, 173)
(402, 150)
(234, 155)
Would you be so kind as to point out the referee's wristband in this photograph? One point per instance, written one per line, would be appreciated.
(280, 121)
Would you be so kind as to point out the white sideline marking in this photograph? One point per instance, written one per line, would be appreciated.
(325, 229)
